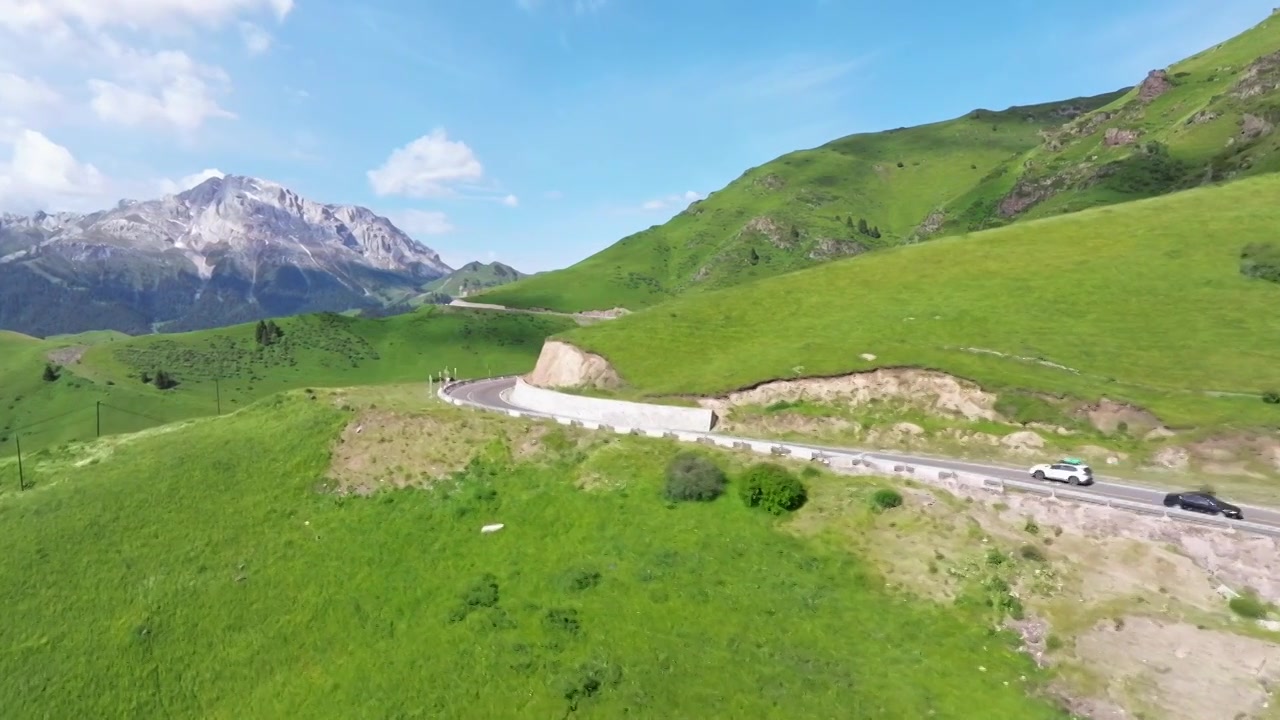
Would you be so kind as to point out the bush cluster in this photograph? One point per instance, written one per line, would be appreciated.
(885, 499)
(1261, 260)
(1250, 606)
(771, 488)
(693, 477)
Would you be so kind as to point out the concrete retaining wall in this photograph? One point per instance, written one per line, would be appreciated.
(610, 412)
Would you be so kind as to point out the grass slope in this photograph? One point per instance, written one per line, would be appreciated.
(796, 211)
(1144, 301)
(315, 351)
(1211, 119)
(474, 276)
(198, 572)
(1214, 121)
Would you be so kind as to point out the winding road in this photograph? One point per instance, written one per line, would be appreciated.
(491, 394)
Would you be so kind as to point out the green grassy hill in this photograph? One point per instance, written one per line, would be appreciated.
(1206, 119)
(208, 571)
(1209, 118)
(100, 384)
(798, 210)
(474, 276)
(1144, 301)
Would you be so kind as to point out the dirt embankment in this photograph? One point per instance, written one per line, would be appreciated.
(562, 365)
(1131, 610)
(930, 390)
(69, 355)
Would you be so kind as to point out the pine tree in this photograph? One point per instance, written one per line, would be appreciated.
(848, 221)
(875, 232)
(260, 333)
(50, 373)
(862, 226)
(754, 257)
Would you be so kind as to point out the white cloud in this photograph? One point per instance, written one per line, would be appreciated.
(166, 88)
(422, 222)
(256, 40)
(511, 201)
(427, 167)
(131, 14)
(109, 55)
(43, 174)
(19, 94)
(578, 7)
(171, 187)
(672, 201)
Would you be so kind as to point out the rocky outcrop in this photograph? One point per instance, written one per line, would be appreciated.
(927, 389)
(1253, 127)
(1172, 458)
(768, 227)
(1115, 137)
(830, 248)
(1024, 442)
(931, 224)
(1259, 78)
(1025, 194)
(1154, 85)
(562, 365)
(1109, 416)
(770, 182)
(1202, 117)
(1031, 191)
(610, 314)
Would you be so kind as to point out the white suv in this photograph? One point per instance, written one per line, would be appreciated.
(1068, 471)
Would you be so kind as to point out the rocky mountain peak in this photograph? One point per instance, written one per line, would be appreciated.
(230, 248)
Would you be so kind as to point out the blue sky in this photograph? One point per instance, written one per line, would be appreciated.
(530, 131)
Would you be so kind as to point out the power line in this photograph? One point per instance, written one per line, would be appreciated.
(137, 414)
(48, 419)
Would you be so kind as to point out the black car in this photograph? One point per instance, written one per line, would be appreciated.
(1203, 502)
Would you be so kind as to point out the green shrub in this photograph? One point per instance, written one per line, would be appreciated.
(1271, 397)
(693, 477)
(1250, 606)
(1031, 552)
(885, 499)
(1027, 408)
(1261, 260)
(772, 488)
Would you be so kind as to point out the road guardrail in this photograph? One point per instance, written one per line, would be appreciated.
(924, 473)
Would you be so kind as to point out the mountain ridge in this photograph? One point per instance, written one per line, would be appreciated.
(230, 249)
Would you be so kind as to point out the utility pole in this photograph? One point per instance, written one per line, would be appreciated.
(22, 479)
(97, 416)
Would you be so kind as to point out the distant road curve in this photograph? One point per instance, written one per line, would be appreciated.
(491, 394)
(582, 318)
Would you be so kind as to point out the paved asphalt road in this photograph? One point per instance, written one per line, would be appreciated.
(489, 393)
